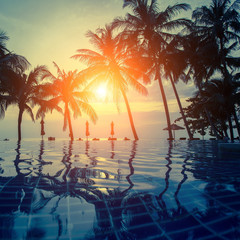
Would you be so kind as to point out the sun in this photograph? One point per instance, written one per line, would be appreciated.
(101, 92)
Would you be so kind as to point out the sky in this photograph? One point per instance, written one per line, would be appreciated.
(52, 30)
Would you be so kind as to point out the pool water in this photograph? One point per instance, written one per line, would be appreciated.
(149, 189)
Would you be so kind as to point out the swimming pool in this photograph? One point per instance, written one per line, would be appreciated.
(149, 189)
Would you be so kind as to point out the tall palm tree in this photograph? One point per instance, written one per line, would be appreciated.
(22, 90)
(10, 65)
(202, 61)
(218, 25)
(65, 89)
(10, 60)
(174, 62)
(114, 63)
(153, 28)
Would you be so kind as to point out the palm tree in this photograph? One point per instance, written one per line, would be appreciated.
(202, 60)
(174, 62)
(214, 92)
(9, 60)
(153, 28)
(113, 63)
(64, 88)
(224, 95)
(218, 26)
(22, 90)
(10, 65)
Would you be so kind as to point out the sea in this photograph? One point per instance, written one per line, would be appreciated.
(146, 189)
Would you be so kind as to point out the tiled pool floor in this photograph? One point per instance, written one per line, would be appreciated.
(74, 194)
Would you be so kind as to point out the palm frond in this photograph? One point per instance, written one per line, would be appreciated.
(3, 38)
(29, 111)
(84, 95)
(39, 73)
(130, 3)
(95, 40)
(89, 110)
(89, 57)
(73, 104)
(48, 106)
(137, 85)
(174, 24)
(95, 71)
(79, 80)
(59, 72)
(17, 63)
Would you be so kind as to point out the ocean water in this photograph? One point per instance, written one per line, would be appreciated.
(149, 189)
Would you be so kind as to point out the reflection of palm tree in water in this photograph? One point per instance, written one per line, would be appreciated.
(15, 190)
(67, 161)
(108, 204)
(17, 197)
(17, 159)
(93, 159)
(167, 176)
(40, 158)
(137, 205)
(179, 216)
(132, 156)
(185, 177)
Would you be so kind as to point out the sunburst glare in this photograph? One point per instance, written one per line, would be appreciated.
(101, 92)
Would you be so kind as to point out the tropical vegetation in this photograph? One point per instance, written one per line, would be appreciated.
(146, 44)
(153, 30)
(115, 63)
(211, 49)
(68, 88)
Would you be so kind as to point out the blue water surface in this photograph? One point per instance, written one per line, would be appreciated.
(149, 189)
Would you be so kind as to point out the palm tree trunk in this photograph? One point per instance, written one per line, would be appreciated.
(211, 123)
(190, 135)
(69, 124)
(130, 116)
(165, 104)
(20, 114)
(236, 121)
(230, 128)
(224, 127)
(208, 115)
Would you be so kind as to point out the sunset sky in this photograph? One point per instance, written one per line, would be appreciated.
(52, 30)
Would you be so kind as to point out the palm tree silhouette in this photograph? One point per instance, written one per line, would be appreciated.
(9, 60)
(64, 88)
(175, 64)
(217, 28)
(217, 92)
(10, 65)
(113, 63)
(23, 91)
(150, 26)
